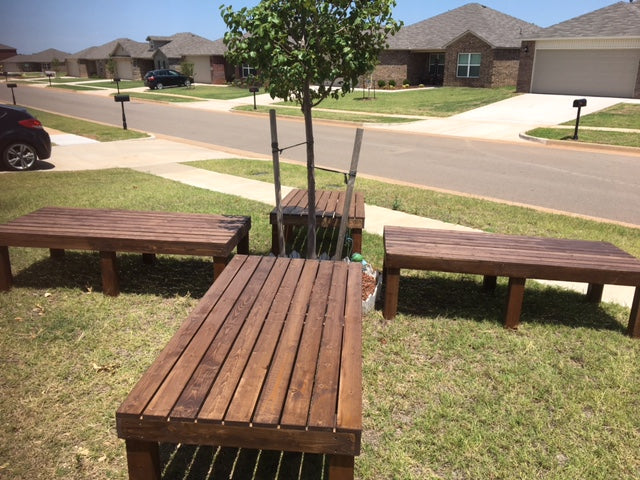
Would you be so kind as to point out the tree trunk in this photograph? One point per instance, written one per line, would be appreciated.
(311, 174)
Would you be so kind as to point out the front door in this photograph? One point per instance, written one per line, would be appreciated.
(436, 69)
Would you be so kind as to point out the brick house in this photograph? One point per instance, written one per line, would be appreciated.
(472, 46)
(594, 54)
(128, 59)
(6, 51)
(47, 60)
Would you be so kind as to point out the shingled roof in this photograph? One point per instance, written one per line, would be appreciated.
(133, 48)
(621, 19)
(435, 33)
(46, 56)
(190, 44)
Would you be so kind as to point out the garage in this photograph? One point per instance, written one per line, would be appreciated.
(201, 68)
(606, 73)
(124, 68)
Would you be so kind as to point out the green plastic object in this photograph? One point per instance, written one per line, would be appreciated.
(356, 257)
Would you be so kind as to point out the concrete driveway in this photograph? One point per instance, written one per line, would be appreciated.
(505, 120)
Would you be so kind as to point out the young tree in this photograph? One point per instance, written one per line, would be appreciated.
(303, 49)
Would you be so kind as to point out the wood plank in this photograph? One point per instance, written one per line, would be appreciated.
(190, 378)
(324, 398)
(248, 391)
(296, 407)
(276, 386)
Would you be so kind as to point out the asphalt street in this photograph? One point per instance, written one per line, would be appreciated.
(587, 182)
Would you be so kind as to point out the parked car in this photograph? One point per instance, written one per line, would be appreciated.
(22, 139)
(165, 78)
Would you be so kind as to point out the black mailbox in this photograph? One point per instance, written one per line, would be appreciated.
(121, 98)
(13, 95)
(254, 89)
(580, 102)
(12, 85)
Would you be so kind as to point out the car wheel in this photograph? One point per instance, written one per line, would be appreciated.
(19, 156)
(187, 83)
(159, 86)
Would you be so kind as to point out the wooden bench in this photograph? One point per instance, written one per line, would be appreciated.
(516, 257)
(269, 359)
(111, 231)
(329, 208)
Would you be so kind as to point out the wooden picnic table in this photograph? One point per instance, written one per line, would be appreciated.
(329, 209)
(109, 231)
(269, 359)
(516, 257)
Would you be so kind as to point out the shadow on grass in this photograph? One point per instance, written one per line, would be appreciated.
(462, 296)
(189, 462)
(168, 276)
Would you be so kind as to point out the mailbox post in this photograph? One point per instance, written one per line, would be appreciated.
(579, 103)
(12, 86)
(50, 74)
(117, 80)
(122, 99)
(254, 90)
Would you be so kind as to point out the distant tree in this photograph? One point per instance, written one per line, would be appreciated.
(186, 68)
(303, 49)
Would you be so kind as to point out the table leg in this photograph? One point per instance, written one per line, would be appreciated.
(341, 467)
(143, 460)
(56, 253)
(634, 319)
(514, 302)
(356, 236)
(243, 245)
(391, 288)
(594, 292)
(275, 242)
(6, 279)
(219, 264)
(148, 258)
(489, 283)
(109, 271)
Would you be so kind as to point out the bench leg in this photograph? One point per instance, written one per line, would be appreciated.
(391, 288)
(148, 258)
(341, 467)
(489, 283)
(356, 236)
(143, 460)
(109, 271)
(514, 302)
(219, 263)
(56, 253)
(243, 245)
(594, 292)
(275, 242)
(634, 319)
(6, 279)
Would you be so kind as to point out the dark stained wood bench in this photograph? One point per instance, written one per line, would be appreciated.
(110, 231)
(516, 257)
(269, 359)
(329, 208)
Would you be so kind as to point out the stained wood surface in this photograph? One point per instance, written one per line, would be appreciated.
(329, 208)
(509, 255)
(126, 230)
(270, 358)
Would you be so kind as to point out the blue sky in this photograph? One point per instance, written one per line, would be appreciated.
(31, 26)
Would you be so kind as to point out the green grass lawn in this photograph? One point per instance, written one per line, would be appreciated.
(622, 115)
(436, 102)
(325, 115)
(448, 392)
(96, 131)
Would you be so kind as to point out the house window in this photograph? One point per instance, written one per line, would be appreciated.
(248, 71)
(469, 65)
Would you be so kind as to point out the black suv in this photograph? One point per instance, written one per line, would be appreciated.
(22, 139)
(165, 78)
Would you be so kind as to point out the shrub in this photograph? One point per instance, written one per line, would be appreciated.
(392, 83)
(405, 82)
(382, 84)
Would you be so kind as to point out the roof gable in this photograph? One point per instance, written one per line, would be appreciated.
(496, 28)
(46, 56)
(621, 19)
(182, 44)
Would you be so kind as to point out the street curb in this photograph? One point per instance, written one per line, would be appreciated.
(583, 146)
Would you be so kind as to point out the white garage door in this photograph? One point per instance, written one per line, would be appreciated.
(607, 73)
(201, 68)
(124, 69)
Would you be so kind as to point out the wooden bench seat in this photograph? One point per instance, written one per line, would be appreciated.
(109, 231)
(269, 359)
(516, 257)
(329, 208)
